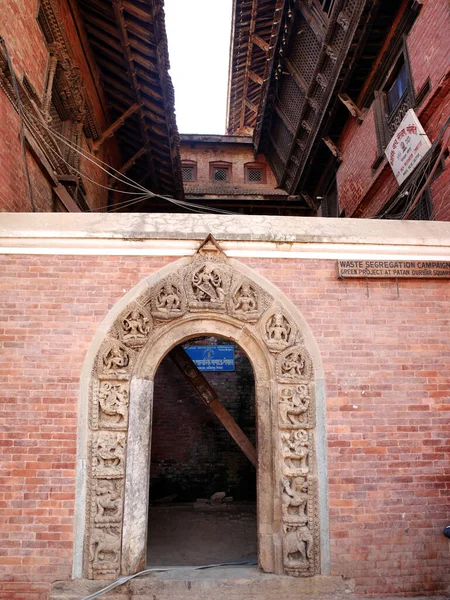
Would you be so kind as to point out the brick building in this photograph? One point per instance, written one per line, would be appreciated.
(116, 450)
(79, 74)
(323, 88)
(316, 92)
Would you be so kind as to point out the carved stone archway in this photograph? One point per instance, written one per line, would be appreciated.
(205, 295)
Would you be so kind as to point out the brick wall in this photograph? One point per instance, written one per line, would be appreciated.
(386, 363)
(238, 155)
(29, 56)
(362, 191)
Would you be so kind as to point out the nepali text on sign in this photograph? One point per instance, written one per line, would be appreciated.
(407, 147)
(212, 358)
(394, 268)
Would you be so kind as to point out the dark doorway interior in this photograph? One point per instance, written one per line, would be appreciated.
(194, 458)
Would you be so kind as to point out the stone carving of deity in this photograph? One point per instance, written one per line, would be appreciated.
(113, 401)
(295, 499)
(278, 328)
(110, 453)
(168, 300)
(293, 365)
(207, 285)
(295, 452)
(245, 299)
(116, 360)
(294, 403)
(136, 327)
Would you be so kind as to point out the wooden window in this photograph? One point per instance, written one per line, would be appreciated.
(220, 172)
(254, 173)
(189, 172)
(398, 208)
(393, 100)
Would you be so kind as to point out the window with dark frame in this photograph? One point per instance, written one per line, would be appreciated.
(254, 175)
(188, 173)
(421, 212)
(220, 173)
(393, 101)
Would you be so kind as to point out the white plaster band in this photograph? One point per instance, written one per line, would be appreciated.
(178, 248)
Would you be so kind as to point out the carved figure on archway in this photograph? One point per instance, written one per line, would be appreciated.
(295, 452)
(207, 284)
(113, 403)
(168, 300)
(116, 360)
(104, 547)
(245, 299)
(278, 332)
(297, 547)
(109, 454)
(294, 405)
(108, 502)
(295, 499)
(293, 365)
(135, 327)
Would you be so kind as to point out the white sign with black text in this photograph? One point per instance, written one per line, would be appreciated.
(407, 147)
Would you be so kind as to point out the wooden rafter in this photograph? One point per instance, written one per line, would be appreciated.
(255, 78)
(333, 148)
(130, 162)
(209, 397)
(114, 127)
(248, 61)
(351, 106)
(123, 33)
(255, 39)
(249, 104)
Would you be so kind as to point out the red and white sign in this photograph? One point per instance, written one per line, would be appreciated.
(407, 147)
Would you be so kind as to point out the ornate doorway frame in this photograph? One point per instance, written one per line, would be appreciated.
(207, 294)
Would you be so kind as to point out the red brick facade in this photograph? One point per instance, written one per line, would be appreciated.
(29, 55)
(386, 364)
(236, 155)
(363, 190)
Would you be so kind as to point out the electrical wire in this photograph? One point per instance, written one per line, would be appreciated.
(20, 108)
(94, 160)
(127, 578)
(127, 180)
(416, 199)
(148, 194)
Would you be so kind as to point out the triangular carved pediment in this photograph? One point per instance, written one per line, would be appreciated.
(210, 249)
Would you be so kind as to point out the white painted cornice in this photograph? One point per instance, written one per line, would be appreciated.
(144, 234)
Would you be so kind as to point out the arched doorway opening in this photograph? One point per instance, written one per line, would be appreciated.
(202, 497)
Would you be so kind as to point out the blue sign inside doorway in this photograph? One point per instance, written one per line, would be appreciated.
(212, 358)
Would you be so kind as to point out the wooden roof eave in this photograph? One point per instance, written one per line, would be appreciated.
(137, 75)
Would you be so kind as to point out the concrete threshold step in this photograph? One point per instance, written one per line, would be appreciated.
(222, 583)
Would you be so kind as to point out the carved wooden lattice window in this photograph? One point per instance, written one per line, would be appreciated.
(188, 172)
(254, 173)
(322, 7)
(220, 172)
(305, 50)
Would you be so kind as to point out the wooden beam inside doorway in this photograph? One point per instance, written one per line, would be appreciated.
(209, 397)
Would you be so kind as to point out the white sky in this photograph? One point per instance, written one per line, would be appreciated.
(198, 32)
